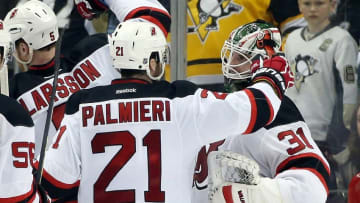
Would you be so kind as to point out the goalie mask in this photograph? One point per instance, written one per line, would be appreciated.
(245, 44)
(6, 46)
(137, 46)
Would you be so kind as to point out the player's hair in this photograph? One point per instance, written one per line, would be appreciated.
(128, 73)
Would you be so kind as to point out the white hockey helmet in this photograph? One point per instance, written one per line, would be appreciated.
(6, 46)
(33, 21)
(133, 43)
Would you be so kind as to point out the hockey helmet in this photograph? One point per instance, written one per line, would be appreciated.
(133, 44)
(34, 22)
(249, 42)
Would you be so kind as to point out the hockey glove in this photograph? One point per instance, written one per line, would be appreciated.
(275, 71)
(90, 9)
(235, 178)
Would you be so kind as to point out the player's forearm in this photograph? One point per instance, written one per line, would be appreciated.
(151, 11)
(298, 186)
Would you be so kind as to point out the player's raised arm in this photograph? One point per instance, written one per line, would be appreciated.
(143, 10)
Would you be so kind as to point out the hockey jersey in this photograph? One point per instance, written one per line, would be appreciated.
(89, 64)
(210, 22)
(283, 150)
(325, 77)
(17, 145)
(135, 142)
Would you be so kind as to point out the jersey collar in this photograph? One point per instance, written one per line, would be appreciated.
(129, 80)
(45, 66)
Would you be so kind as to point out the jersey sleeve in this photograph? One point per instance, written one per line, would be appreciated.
(218, 115)
(345, 57)
(295, 161)
(149, 10)
(62, 164)
(299, 185)
(17, 136)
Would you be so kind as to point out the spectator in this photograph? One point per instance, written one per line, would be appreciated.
(209, 20)
(323, 58)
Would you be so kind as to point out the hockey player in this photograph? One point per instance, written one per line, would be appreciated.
(210, 21)
(33, 28)
(17, 136)
(134, 140)
(291, 167)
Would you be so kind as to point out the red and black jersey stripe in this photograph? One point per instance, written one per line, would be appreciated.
(157, 16)
(308, 161)
(262, 112)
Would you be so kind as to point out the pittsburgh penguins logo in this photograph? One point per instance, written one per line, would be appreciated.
(206, 13)
(303, 67)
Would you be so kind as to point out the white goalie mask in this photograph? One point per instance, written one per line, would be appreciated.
(133, 44)
(35, 23)
(247, 42)
(6, 46)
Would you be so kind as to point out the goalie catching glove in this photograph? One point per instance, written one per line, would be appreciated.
(275, 71)
(90, 9)
(234, 178)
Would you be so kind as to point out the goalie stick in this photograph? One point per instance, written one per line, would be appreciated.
(50, 110)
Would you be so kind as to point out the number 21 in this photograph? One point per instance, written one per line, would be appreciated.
(152, 141)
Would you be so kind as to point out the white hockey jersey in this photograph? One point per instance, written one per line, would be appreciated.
(325, 76)
(136, 142)
(89, 65)
(16, 153)
(283, 150)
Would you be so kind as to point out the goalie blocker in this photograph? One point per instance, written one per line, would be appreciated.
(235, 178)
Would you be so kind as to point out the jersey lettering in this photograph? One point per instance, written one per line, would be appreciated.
(125, 112)
(81, 77)
(128, 142)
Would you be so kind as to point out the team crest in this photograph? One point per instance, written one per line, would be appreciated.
(205, 15)
(303, 67)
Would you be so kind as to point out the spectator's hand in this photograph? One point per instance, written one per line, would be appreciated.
(275, 71)
(90, 9)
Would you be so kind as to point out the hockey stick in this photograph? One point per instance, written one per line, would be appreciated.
(50, 110)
